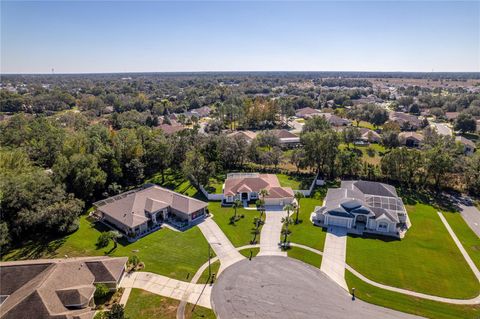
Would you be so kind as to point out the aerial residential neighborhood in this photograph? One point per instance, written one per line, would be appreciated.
(239, 160)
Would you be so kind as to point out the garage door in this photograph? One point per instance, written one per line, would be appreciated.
(337, 221)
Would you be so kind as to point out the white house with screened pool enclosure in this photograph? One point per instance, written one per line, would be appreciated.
(363, 207)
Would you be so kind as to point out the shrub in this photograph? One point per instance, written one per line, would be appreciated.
(103, 240)
(133, 261)
(101, 291)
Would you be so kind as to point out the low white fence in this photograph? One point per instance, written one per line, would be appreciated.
(209, 196)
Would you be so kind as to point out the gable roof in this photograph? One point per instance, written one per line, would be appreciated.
(306, 111)
(465, 141)
(129, 208)
(247, 135)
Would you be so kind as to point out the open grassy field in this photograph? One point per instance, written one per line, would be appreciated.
(305, 233)
(304, 255)
(363, 124)
(413, 305)
(165, 252)
(240, 233)
(426, 260)
(145, 305)
(465, 234)
(176, 182)
(214, 268)
(296, 182)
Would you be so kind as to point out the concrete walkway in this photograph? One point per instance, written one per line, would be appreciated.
(167, 287)
(471, 215)
(223, 248)
(270, 234)
(334, 252)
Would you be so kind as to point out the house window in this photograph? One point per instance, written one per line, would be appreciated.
(383, 227)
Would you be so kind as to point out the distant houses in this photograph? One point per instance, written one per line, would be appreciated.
(286, 138)
(410, 139)
(405, 120)
(306, 112)
(248, 136)
(369, 136)
(469, 146)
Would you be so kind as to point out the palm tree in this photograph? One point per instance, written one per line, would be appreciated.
(298, 196)
(236, 204)
(288, 208)
(114, 235)
(262, 193)
(287, 220)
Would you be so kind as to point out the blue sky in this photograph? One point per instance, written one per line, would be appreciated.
(121, 36)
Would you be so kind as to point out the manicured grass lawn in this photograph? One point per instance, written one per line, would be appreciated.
(204, 277)
(305, 255)
(426, 260)
(363, 124)
(145, 305)
(305, 233)
(413, 305)
(246, 252)
(216, 265)
(215, 184)
(166, 252)
(240, 233)
(296, 182)
(178, 183)
(465, 234)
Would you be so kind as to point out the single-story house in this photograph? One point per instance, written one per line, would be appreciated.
(363, 207)
(469, 146)
(140, 211)
(56, 288)
(170, 129)
(306, 112)
(410, 139)
(246, 187)
(368, 135)
(248, 136)
(405, 120)
(287, 138)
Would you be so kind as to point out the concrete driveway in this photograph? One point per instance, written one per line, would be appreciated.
(275, 287)
(334, 253)
(270, 233)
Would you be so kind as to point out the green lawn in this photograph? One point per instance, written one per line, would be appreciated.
(426, 260)
(215, 184)
(296, 182)
(240, 234)
(166, 252)
(176, 182)
(305, 255)
(413, 305)
(363, 124)
(145, 305)
(465, 234)
(246, 252)
(204, 277)
(305, 233)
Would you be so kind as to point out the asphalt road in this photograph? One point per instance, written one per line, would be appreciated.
(284, 288)
(471, 215)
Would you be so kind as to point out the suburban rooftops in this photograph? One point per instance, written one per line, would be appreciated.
(129, 208)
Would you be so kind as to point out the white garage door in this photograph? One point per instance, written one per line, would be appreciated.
(337, 221)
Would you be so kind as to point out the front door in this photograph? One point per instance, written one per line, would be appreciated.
(244, 196)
